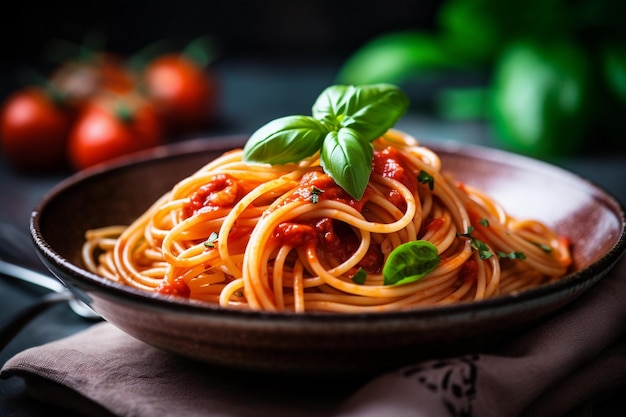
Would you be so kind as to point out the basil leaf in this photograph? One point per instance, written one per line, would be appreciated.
(348, 160)
(345, 120)
(331, 105)
(409, 262)
(368, 109)
(286, 139)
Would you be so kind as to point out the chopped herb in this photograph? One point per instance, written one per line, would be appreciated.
(210, 242)
(425, 178)
(467, 234)
(484, 222)
(238, 293)
(512, 255)
(315, 192)
(544, 247)
(476, 244)
(359, 277)
(481, 247)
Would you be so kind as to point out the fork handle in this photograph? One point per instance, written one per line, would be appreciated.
(12, 324)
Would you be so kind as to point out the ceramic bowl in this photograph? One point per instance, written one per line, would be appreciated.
(315, 343)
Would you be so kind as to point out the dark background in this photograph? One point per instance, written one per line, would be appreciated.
(277, 29)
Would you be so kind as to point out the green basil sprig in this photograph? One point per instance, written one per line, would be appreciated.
(345, 120)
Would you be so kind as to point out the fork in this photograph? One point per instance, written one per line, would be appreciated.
(14, 246)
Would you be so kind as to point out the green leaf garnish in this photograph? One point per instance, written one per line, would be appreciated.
(467, 234)
(409, 262)
(345, 120)
(315, 193)
(484, 222)
(369, 109)
(425, 178)
(348, 160)
(284, 140)
(513, 255)
(210, 242)
(481, 247)
(359, 277)
(544, 247)
(476, 244)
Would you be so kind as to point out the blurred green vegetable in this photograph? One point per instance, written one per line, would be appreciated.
(542, 97)
(613, 60)
(397, 57)
(473, 29)
(614, 64)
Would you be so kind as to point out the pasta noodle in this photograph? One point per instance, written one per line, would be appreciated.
(287, 238)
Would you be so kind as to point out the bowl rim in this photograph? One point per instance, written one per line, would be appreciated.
(582, 278)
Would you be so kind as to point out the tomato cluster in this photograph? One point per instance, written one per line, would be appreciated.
(92, 110)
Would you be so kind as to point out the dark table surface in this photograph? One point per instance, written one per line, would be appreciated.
(252, 93)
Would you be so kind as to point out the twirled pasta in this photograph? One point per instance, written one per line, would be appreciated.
(287, 238)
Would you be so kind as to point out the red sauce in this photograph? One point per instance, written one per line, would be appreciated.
(178, 287)
(222, 191)
(389, 163)
(316, 184)
(469, 271)
(329, 236)
(340, 241)
(373, 260)
(434, 224)
(296, 234)
(239, 233)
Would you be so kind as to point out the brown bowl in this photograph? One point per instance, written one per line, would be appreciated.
(316, 343)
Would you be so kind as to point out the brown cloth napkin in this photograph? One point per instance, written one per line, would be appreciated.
(563, 367)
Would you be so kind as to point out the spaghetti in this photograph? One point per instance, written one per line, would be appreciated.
(287, 238)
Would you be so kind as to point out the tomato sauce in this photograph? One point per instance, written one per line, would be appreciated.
(331, 237)
(296, 234)
(469, 271)
(222, 191)
(434, 224)
(178, 287)
(320, 186)
(389, 163)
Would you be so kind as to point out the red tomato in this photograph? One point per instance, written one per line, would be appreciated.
(82, 79)
(182, 90)
(111, 127)
(34, 129)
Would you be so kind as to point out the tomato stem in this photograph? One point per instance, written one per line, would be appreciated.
(124, 113)
(200, 50)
